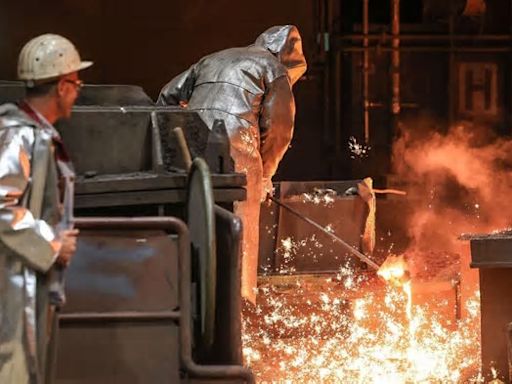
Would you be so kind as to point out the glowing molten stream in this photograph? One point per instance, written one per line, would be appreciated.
(394, 270)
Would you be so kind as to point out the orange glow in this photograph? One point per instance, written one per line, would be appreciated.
(425, 326)
(394, 270)
(370, 334)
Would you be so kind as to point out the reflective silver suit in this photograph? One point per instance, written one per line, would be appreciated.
(29, 212)
(250, 88)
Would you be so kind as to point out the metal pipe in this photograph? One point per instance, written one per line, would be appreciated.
(451, 71)
(422, 37)
(366, 70)
(88, 317)
(338, 103)
(182, 143)
(457, 49)
(326, 74)
(156, 155)
(509, 117)
(395, 58)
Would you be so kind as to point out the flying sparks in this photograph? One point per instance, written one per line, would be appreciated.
(354, 329)
(357, 150)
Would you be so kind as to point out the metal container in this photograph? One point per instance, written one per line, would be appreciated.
(492, 255)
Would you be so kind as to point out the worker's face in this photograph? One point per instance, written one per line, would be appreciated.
(68, 89)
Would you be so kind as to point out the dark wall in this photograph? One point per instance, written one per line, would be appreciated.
(145, 42)
(149, 42)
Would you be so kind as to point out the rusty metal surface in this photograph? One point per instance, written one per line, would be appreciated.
(140, 181)
(105, 141)
(311, 250)
(492, 254)
(496, 313)
(127, 139)
(123, 152)
(139, 347)
(85, 317)
(139, 198)
(227, 346)
(117, 280)
(118, 353)
(113, 271)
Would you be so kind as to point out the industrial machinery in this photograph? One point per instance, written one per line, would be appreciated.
(490, 253)
(153, 295)
(150, 298)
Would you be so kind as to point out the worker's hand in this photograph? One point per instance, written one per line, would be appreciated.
(68, 246)
(266, 188)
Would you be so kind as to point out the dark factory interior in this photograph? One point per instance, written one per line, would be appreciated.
(381, 251)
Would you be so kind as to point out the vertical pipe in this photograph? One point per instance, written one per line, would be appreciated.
(337, 102)
(326, 73)
(395, 60)
(451, 70)
(366, 69)
(338, 78)
(508, 93)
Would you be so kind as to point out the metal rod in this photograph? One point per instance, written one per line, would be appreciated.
(509, 63)
(422, 37)
(130, 316)
(347, 246)
(328, 130)
(163, 223)
(326, 99)
(451, 70)
(156, 158)
(395, 59)
(338, 103)
(182, 143)
(366, 70)
(429, 49)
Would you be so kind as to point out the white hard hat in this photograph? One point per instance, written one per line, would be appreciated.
(48, 56)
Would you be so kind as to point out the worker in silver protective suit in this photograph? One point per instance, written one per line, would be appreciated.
(35, 190)
(250, 88)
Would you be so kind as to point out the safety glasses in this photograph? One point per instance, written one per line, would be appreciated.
(77, 83)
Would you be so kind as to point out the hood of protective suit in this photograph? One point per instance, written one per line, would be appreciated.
(285, 43)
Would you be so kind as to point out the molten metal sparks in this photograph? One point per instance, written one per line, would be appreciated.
(326, 197)
(357, 330)
(394, 270)
(357, 150)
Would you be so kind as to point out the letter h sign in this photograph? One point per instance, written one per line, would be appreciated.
(478, 89)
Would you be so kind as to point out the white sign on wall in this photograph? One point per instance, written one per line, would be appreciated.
(478, 89)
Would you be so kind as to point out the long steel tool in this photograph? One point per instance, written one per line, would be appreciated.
(347, 246)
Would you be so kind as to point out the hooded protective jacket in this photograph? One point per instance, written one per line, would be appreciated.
(29, 214)
(250, 88)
